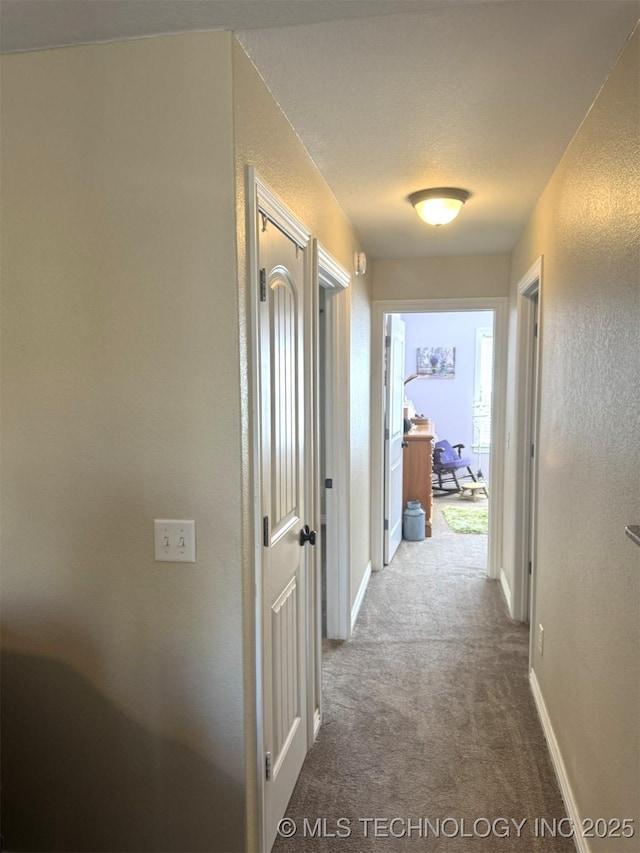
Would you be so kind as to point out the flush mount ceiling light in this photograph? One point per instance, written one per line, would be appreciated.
(440, 205)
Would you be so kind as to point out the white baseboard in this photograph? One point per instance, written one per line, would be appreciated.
(506, 589)
(582, 844)
(357, 604)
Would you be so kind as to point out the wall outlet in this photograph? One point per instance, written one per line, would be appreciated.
(540, 640)
(174, 540)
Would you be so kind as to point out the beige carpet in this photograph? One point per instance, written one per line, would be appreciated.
(428, 716)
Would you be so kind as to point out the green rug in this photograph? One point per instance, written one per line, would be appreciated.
(467, 519)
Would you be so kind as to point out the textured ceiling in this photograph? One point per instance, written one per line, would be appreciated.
(485, 97)
(480, 94)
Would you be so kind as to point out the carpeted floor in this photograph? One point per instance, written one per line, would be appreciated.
(428, 716)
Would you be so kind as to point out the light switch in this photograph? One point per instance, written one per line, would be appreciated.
(175, 540)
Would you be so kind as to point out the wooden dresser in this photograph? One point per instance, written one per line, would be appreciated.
(417, 468)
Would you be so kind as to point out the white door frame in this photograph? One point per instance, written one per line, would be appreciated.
(497, 304)
(394, 442)
(261, 199)
(336, 281)
(530, 285)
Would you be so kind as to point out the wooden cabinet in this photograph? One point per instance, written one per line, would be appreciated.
(417, 468)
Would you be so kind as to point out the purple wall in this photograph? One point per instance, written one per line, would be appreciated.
(448, 402)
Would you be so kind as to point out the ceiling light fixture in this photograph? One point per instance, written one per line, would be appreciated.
(440, 205)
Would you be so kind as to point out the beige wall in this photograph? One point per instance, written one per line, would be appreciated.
(586, 225)
(124, 389)
(123, 703)
(441, 278)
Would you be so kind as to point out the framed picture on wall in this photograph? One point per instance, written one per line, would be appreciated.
(437, 362)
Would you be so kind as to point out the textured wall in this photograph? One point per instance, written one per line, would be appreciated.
(265, 139)
(122, 711)
(587, 226)
(441, 278)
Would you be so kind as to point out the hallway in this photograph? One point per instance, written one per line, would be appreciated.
(428, 716)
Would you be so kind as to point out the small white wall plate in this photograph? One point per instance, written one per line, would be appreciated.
(360, 263)
(174, 540)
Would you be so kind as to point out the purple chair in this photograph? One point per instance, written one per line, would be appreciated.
(446, 462)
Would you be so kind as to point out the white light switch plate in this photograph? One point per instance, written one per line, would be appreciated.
(175, 540)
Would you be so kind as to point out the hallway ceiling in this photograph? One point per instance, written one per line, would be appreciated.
(392, 96)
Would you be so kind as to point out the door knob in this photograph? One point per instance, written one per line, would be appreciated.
(307, 535)
(405, 444)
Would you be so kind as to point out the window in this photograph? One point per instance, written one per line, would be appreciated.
(483, 391)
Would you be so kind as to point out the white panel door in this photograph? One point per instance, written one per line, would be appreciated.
(284, 562)
(394, 434)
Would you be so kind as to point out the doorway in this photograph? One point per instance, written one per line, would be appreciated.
(528, 355)
(331, 431)
(332, 579)
(498, 308)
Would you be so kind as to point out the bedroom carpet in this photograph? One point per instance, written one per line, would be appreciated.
(429, 724)
(467, 519)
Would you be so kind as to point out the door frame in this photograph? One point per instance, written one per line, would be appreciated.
(261, 199)
(390, 390)
(525, 435)
(336, 281)
(380, 308)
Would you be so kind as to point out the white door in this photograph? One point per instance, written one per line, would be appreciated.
(393, 434)
(284, 562)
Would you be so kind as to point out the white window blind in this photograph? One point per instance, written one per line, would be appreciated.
(483, 391)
